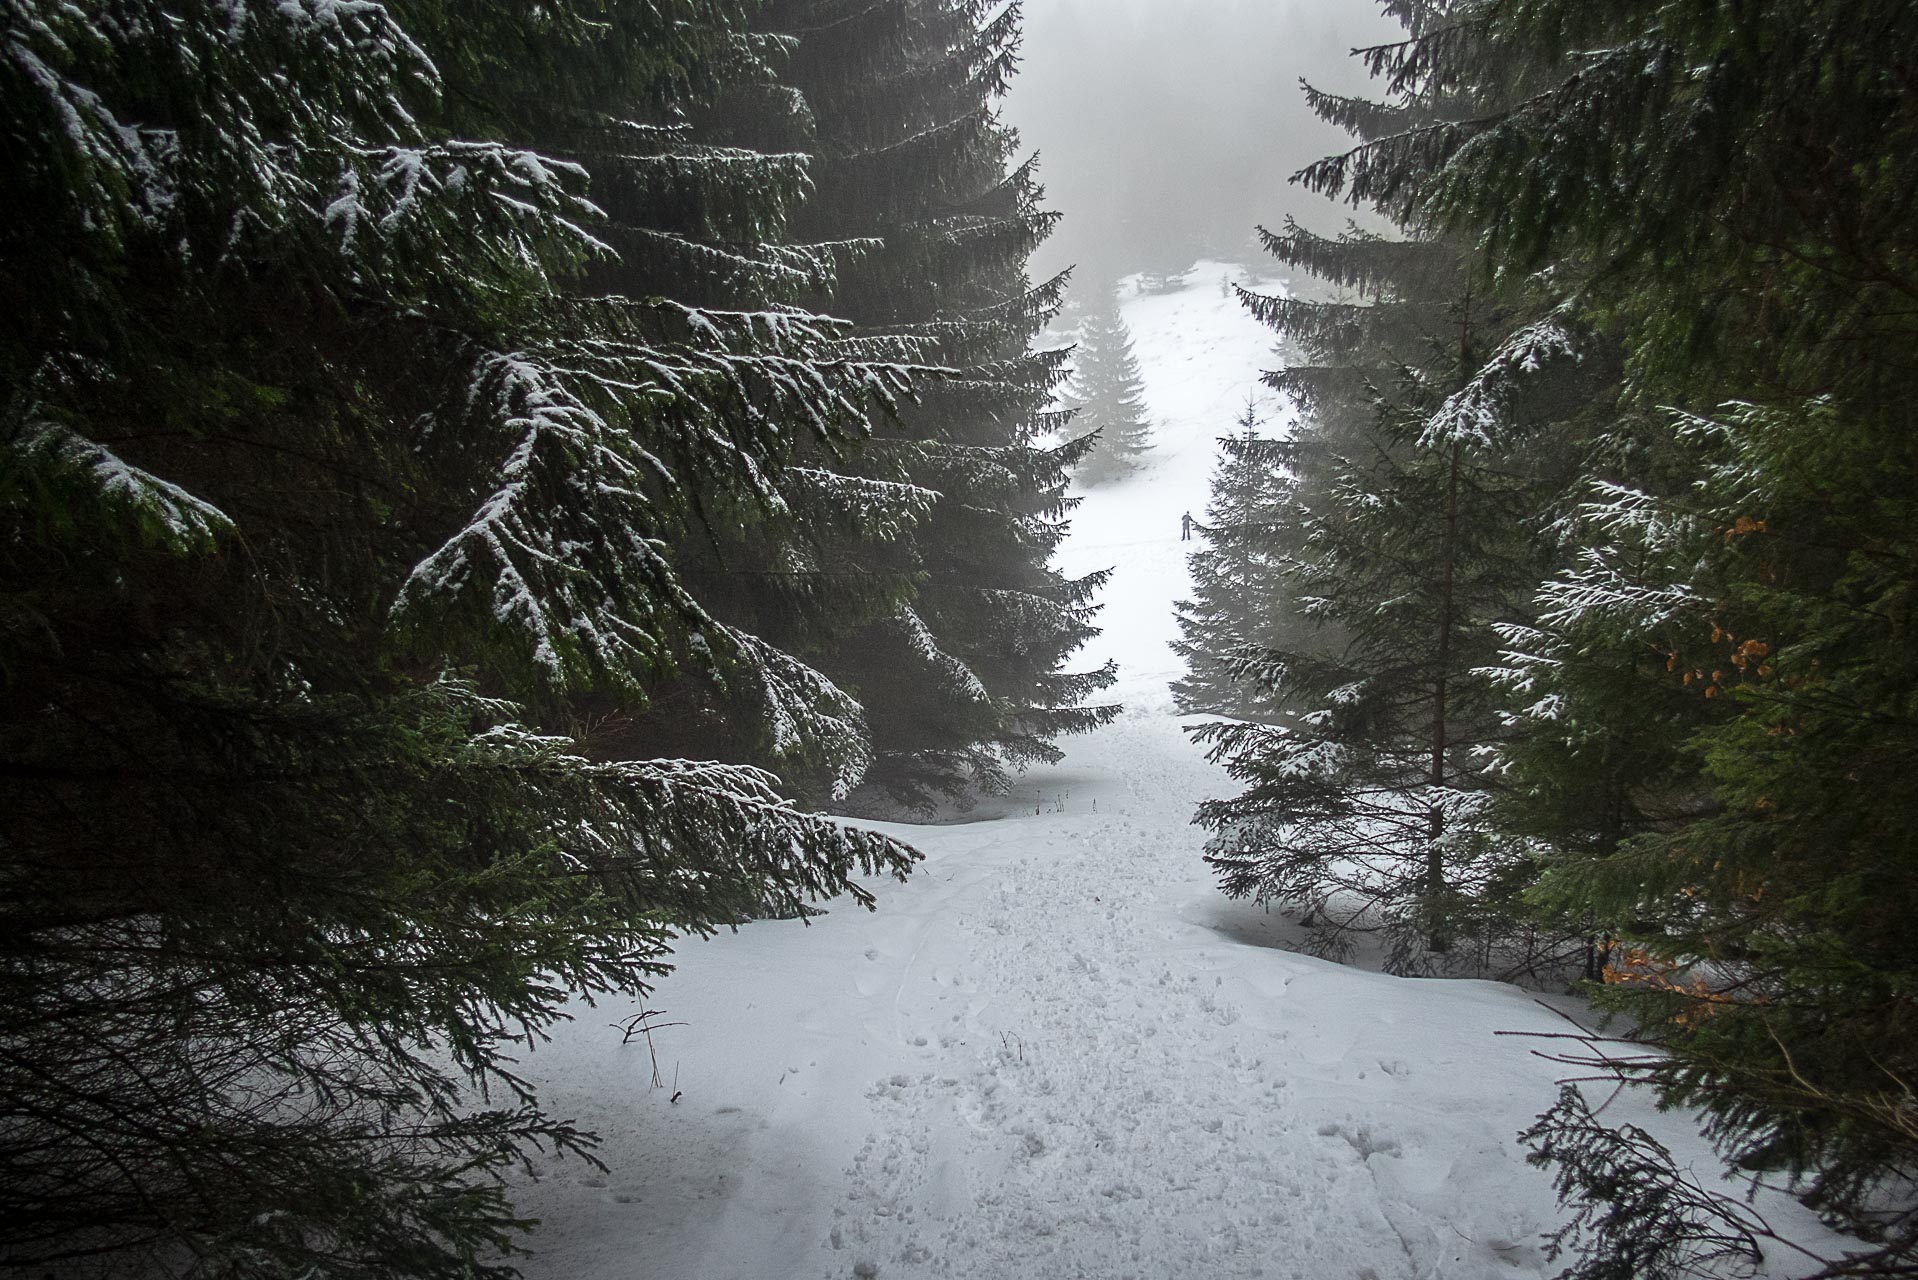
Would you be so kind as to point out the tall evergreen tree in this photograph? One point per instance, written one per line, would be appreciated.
(1236, 574)
(1372, 789)
(961, 678)
(321, 493)
(1107, 394)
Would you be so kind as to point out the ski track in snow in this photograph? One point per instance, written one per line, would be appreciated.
(1058, 1052)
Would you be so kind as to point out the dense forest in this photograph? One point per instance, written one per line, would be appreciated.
(1579, 602)
(476, 480)
(489, 493)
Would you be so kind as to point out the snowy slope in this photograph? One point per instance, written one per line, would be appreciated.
(1201, 356)
(1058, 1052)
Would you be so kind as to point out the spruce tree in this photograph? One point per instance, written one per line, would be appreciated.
(1236, 574)
(1365, 804)
(330, 495)
(961, 676)
(1425, 448)
(1107, 395)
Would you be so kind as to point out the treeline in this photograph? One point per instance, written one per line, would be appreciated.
(1581, 631)
(473, 479)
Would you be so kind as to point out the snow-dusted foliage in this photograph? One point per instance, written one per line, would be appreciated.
(810, 719)
(1599, 586)
(53, 466)
(345, 382)
(1478, 413)
(884, 509)
(743, 841)
(568, 552)
(952, 671)
(953, 633)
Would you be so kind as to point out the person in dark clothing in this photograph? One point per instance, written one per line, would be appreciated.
(1185, 527)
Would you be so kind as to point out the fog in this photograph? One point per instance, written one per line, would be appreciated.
(1168, 128)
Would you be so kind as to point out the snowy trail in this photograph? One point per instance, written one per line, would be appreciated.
(1058, 1052)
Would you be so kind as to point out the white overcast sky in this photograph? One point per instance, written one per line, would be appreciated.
(1167, 128)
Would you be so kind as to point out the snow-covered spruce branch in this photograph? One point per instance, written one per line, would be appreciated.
(565, 543)
(1624, 513)
(669, 826)
(523, 212)
(1026, 613)
(1479, 412)
(54, 459)
(809, 718)
(958, 680)
(564, 558)
(1258, 666)
(762, 272)
(1529, 655)
(733, 410)
(564, 548)
(1596, 590)
(774, 330)
(885, 510)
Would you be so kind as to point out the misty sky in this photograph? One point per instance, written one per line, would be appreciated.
(1168, 128)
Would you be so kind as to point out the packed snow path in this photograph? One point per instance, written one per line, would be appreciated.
(1058, 1052)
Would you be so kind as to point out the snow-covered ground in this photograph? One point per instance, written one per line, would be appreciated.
(1058, 1052)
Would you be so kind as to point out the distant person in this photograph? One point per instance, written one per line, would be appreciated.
(1185, 527)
